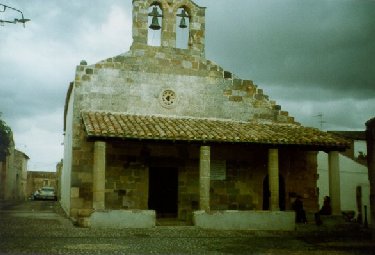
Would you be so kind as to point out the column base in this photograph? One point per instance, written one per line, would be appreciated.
(120, 219)
(245, 220)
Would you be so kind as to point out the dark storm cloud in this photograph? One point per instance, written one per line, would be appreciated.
(311, 56)
(38, 62)
(322, 44)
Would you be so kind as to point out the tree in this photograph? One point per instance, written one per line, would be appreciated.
(6, 137)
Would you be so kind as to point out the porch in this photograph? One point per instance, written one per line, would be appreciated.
(213, 183)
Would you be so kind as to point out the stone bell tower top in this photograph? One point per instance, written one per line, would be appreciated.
(167, 17)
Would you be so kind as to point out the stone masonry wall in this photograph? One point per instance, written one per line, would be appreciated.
(133, 83)
(81, 173)
(242, 187)
(202, 88)
(36, 180)
(188, 190)
(246, 167)
(126, 177)
(300, 172)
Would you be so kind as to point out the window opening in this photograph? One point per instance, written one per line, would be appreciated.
(154, 25)
(182, 28)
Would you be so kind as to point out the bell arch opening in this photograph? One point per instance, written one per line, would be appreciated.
(155, 19)
(182, 28)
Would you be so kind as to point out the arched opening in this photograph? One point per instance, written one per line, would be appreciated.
(155, 16)
(182, 28)
(266, 193)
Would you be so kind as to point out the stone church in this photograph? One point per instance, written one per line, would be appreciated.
(160, 132)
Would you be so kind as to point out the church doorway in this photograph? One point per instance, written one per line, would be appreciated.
(266, 193)
(163, 191)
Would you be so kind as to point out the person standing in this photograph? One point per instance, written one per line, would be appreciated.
(300, 212)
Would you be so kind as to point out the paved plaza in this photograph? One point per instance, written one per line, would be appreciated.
(39, 227)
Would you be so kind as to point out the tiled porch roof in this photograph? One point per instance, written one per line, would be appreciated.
(118, 125)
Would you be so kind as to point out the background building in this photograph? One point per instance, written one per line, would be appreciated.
(13, 175)
(354, 178)
(38, 179)
(354, 185)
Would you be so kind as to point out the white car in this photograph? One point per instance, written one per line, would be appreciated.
(45, 193)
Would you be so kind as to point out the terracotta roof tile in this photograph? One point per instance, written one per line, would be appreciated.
(118, 125)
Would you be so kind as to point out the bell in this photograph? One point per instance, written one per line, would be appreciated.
(183, 15)
(154, 12)
(155, 24)
(155, 21)
(183, 23)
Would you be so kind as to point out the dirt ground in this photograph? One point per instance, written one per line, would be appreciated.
(38, 227)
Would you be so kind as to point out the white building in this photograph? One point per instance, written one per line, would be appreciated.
(354, 184)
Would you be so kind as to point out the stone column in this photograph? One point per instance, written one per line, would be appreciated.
(140, 18)
(168, 35)
(204, 178)
(273, 178)
(99, 176)
(334, 182)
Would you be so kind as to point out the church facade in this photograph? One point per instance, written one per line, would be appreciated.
(162, 132)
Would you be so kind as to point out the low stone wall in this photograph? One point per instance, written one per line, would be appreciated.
(122, 219)
(245, 220)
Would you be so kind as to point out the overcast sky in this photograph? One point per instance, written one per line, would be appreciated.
(311, 56)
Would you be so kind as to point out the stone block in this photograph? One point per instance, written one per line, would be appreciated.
(89, 71)
(176, 62)
(74, 192)
(259, 96)
(227, 75)
(239, 93)
(247, 83)
(235, 98)
(119, 59)
(237, 84)
(85, 177)
(74, 212)
(86, 77)
(277, 107)
(228, 92)
(80, 68)
(187, 64)
(84, 212)
(76, 203)
(83, 222)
